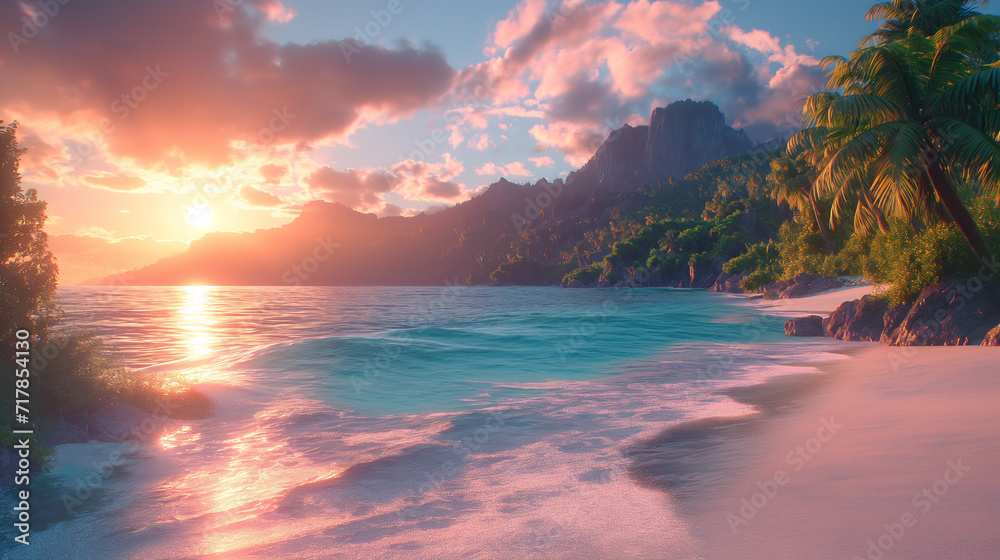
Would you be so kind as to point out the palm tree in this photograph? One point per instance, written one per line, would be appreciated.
(926, 17)
(791, 181)
(852, 193)
(919, 118)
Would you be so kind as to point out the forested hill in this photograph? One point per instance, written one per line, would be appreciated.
(635, 177)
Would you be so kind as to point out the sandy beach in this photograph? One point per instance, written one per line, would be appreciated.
(889, 453)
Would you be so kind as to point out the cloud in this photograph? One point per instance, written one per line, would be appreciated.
(273, 173)
(515, 169)
(95, 252)
(414, 180)
(578, 143)
(481, 142)
(591, 67)
(357, 188)
(256, 198)
(178, 83)
(390, 209)
(757, 39)
(118, 183)
(544, 161)
(422, 181)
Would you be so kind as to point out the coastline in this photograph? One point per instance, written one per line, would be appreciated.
(889, 453)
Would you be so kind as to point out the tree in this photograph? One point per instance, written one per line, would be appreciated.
(925, 17)
(27, 268)
(791, 181)
(919, 118)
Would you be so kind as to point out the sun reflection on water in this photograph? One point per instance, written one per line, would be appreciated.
(196, 318)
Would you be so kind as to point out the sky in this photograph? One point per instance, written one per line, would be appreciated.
(151, 123)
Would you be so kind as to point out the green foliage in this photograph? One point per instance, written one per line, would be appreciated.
(587, 275)
(762, 260)
(67, 369)
(530, 272)
(802, 249)
(909, 262)
(76, 368)
(926, 86)
(626, 251)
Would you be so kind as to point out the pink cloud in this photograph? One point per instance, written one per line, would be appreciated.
(365, 189)
(357, 188)
(515, 169)
(518, 22)
(252, 197)
(544, 161)
(757, 39)
(592, 68)
(273, 173)
(190, 86)
(119, 183)
(481, 142)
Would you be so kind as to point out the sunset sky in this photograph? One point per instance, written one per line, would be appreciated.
(149, 123)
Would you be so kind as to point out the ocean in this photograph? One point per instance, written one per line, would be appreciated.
(402, 422)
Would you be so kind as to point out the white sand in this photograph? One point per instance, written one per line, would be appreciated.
(819, 304)
(919, 445)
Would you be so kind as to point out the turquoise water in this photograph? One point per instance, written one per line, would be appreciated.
(452, 422)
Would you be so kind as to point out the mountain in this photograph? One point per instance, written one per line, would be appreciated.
(330, 244)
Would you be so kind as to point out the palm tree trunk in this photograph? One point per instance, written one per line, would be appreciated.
(830, 246)
(959, 213)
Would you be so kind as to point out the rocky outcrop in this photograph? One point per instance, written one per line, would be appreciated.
(728, 283)
(115, 422)
(958, 312)
(861, 319)
(686, 135)
(803, 285)
(805, 326)
(61, 431)
(618, 163)
(891, 320)
(680, 138)
(952, 313)
(992, 337)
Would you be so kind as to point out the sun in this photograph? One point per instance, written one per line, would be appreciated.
(198, 215)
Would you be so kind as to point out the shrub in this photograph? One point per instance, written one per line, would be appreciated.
(910, 261)
(626, 251)
(763, 260)
(587, 275)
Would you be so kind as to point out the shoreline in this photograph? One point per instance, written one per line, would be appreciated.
(889, 453)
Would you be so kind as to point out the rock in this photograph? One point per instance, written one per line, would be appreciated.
(861, 320)
(680, 138)
(805, 326)
(686, 135)
(117, 421)
(188, 405)
(892, 319)
(575, 284)
(952, 313)
(992, 337)
(79, 417)
(729, 284)
(803, 285)
(702, 278)
(61, 432)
